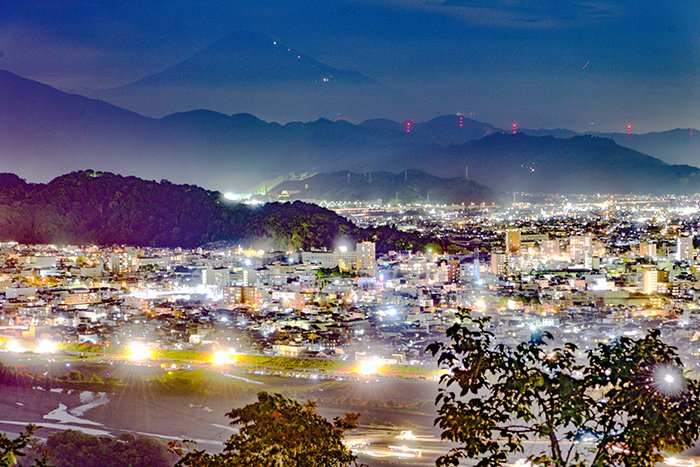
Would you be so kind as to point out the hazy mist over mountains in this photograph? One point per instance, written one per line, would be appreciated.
(255, 74)
(46, 132)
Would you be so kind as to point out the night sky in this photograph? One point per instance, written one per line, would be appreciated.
(585, 65)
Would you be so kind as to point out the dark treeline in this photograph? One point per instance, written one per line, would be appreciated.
(72, 448)
(10, 376)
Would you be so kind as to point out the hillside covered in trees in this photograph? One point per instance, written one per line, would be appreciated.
(89, 207)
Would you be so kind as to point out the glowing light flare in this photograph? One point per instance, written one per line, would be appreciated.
(461, 121)
(480, 304)
(355, 443)
(620, 448)
(406, 452)
(680, 462)
(224, 357)
(514, 127)
(46, 346)
(668, 380)
(408, 435)
(369, 366)
(138, 352)
(629, 129)
(409, 125)
(14, 346)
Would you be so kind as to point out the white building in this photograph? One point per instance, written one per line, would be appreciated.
(684, 249)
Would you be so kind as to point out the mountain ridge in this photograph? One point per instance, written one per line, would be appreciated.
(46, 132)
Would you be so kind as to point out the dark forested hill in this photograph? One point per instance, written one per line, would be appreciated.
(102, 208)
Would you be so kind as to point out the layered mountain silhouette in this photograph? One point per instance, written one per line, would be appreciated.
(580, 164)
(409, 186)
(443, 130)
(252, 73)
(45, 132)
(90, 207)
(677, 146)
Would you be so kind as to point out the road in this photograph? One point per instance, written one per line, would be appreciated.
(396, 414)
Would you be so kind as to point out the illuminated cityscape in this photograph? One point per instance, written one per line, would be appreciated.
(587, 270)
(360, 232)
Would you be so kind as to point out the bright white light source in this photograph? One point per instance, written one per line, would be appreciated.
(46, 346)
(668, 380)
(369, 366)
(138, 351)
(679, 462)
(407, 435)
(343, 249)
(14, 346)
(223, 357)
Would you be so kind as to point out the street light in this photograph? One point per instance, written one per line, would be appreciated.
(46, 346)
(668, 380)
(223, 357)
(369, 366)
(138, 351)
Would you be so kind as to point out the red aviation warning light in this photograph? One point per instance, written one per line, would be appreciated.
(460, 121)
(691, 132)
(409, 125)
(629, 128)
(514, 126)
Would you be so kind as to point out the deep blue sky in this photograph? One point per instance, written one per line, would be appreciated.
(587, 65)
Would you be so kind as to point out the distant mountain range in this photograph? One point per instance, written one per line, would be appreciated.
(409, 186)
(677, 146)
(89, 207)
(45, 132)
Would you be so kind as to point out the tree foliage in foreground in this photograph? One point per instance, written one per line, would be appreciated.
(74, 448)
(622, 403)
(275, 431)
(12, 449)
(71, 447)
